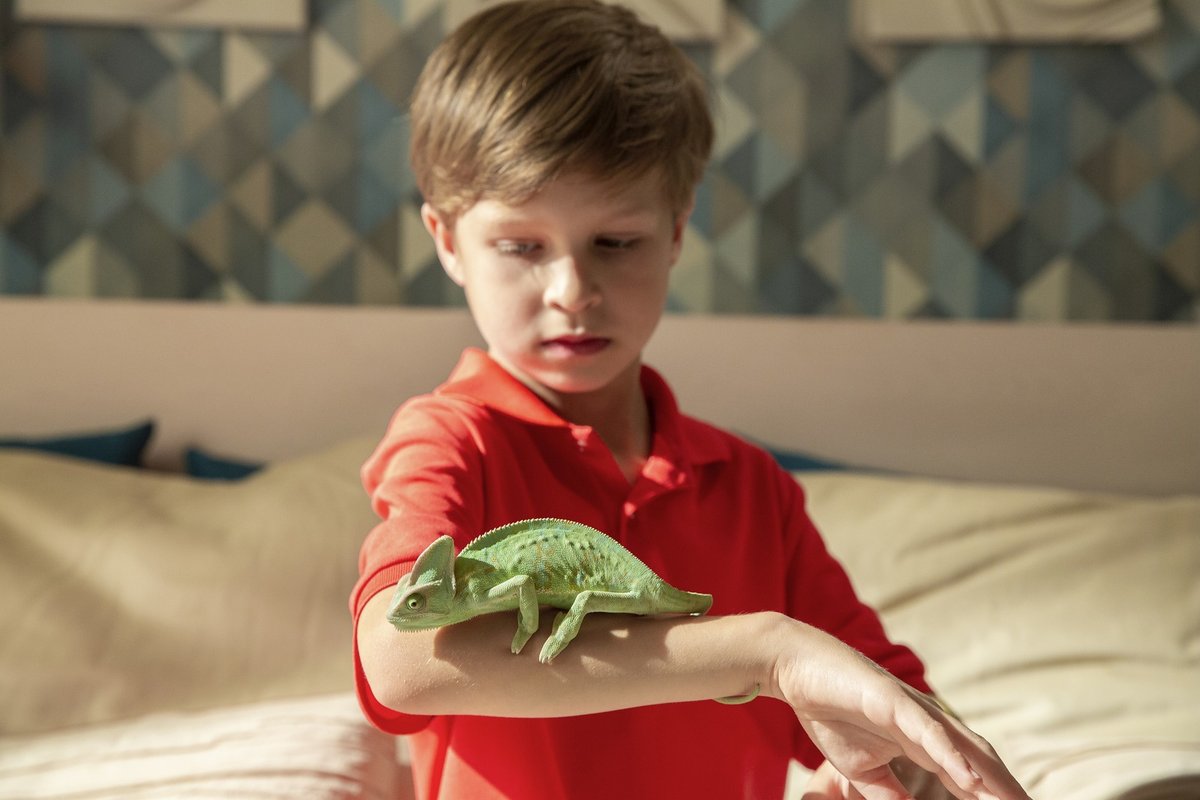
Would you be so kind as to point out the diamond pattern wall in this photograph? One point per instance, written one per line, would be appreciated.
(967, 181)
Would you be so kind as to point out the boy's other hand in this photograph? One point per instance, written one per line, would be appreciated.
(862, 719)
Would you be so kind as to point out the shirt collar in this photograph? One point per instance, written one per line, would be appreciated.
(480, 379)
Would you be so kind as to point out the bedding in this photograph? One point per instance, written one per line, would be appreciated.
(1064, 626)
(127, 592)
(317, 748)
(158, 625)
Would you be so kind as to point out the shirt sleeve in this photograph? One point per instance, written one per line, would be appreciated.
(424, 482)
(823, 596)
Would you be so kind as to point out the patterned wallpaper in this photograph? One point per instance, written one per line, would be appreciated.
(965, 181)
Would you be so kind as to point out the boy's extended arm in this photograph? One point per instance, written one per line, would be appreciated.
(858, 715)
(616, 661)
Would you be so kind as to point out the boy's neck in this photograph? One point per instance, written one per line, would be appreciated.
(624, 424)
(619, 414)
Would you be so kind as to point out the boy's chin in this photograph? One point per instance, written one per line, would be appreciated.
(575, 376)
(575, 384)
(582, 380)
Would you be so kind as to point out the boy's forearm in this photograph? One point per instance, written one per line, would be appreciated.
(859, 716)
(617, 661)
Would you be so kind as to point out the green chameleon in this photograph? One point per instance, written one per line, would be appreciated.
(523, 565)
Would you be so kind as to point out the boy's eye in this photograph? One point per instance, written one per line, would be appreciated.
(612, 243)
(518, 249)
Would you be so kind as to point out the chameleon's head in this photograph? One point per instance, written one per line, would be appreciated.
(424, 597)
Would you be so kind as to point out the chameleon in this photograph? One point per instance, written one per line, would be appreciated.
(523, 565)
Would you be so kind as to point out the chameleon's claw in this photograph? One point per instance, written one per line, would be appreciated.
(554, 645)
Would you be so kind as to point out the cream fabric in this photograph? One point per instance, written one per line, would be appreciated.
(1064, 626)
(125, 592)
(316, 748)
(1006, 20)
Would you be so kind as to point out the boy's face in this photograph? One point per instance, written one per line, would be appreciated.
(567, 287)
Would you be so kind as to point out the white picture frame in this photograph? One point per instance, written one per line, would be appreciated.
(271, 15)
(1025, 21)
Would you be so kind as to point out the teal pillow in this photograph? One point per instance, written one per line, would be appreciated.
(792, 461)
(123, 447)
(205, 466)
(797, 462)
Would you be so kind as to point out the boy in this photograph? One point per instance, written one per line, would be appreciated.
(558, 146)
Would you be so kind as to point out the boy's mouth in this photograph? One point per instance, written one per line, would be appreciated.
(575, 345)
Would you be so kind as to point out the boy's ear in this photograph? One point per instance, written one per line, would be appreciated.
(442, 232)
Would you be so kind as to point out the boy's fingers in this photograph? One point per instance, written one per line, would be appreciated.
(942, 745)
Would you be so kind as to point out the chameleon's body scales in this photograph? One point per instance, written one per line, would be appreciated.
(565, 558)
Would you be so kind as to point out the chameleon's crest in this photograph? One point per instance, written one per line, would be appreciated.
(436, 563)
(424, 596)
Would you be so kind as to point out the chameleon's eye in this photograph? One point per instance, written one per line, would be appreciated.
(415, 602)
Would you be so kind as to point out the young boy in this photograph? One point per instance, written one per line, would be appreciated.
(558, 146)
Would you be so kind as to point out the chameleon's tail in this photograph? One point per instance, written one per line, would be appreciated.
(677, 601)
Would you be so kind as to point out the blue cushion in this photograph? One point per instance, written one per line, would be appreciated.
(124, 447)
(203, 465)
(796, 462)
(792, 461)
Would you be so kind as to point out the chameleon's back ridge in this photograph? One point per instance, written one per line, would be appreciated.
(564, 558)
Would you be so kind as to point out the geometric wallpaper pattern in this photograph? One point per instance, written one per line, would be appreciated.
(974, 181)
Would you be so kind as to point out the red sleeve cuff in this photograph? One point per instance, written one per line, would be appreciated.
(370, 585)
(386, 719)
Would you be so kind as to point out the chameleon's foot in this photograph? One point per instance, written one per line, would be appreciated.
(738, 699)
(518, 642)
(555, 644)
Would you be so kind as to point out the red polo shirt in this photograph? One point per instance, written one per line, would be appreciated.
(709, 512)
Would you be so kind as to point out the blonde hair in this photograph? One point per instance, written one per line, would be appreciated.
(524, 92)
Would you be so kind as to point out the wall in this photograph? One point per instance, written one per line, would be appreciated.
(967, 181)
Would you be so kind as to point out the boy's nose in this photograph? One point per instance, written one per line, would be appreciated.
(571, 288)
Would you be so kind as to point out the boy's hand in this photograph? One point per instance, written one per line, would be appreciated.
(829, 784)
(862, 719)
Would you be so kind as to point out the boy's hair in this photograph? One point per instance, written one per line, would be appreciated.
(524, 92)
